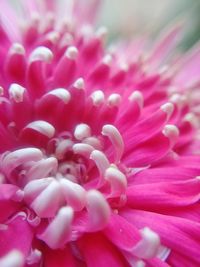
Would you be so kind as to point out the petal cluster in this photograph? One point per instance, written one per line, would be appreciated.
(99, 154)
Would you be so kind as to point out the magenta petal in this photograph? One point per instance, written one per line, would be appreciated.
(99, 252)
(186, 232)
(148, 152)
(164, 195)
(175, 259)
(16, 235)
(59, 258)
(163, 174)
(165, 45)
(9, 200)
(157, 263)
(121, 233)
(189, 66)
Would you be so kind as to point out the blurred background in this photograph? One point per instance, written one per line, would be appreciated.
(134, 17)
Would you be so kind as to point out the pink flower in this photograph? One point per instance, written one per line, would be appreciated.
(99, 150)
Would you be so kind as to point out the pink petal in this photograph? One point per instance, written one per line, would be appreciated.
(163, 174)
(121, 233)
(99, 252)
(9, 200)
(188, 68)
(59, 258)
(165, 45)
(16, 235)
(164, 195)
(186, 232)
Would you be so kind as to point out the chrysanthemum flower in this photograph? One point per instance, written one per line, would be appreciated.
(97, 146)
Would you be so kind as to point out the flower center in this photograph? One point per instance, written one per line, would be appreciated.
(77, 175)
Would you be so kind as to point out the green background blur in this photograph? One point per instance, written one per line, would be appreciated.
(135, 17)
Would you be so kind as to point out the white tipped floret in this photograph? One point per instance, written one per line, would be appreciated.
(12, 259)
(62, 148)
(42, 127)
(34, 257)
(35, 187)
(114, 100)
(20, 156)
(66, 40)
(53, 36)
(117, 180)
(179, 100)
(167, 108)
(16, 92)
(164, 69)
(98, 97)
(102, 33)
(17, 48)
(83, 149)
(116, 139)
(192, 119)
(82, 131)
(79, 83)
(170, 131)
(86, 30)
(94, 142)
(148, 247)
(61, 93)
(19, 196)
(124, 66)
(41, 53)
(172, 89)
(42, 168)
(74, 194)
(47, 202)
(137, 97)
(98, 210)
(100, 160)
(107, 59)
(71, 52)
(35, 17)
(58, 232)
(1, 91)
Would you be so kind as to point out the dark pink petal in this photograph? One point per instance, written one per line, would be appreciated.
(164, 195)
(185, 232)
(17, 234)
(10, 200)
(148, 152)
(148, 127)
(163, 174)
(188, 68)
(121, 233)
(175, 259)
(59, 258)
(99, 252)
(157, 263)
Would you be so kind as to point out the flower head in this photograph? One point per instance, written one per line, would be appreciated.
(97, 146)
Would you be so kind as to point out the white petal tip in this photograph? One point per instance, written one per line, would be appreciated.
(17, 48)
(42, 127)
(170, 131)
(79, 83)
(72, 52)
(82, 131)
(16, 92)
(137, 97)
(114, 100)
(107, 60)
(98, 98)
(12, 259)
(41, 53)
(167, 108)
